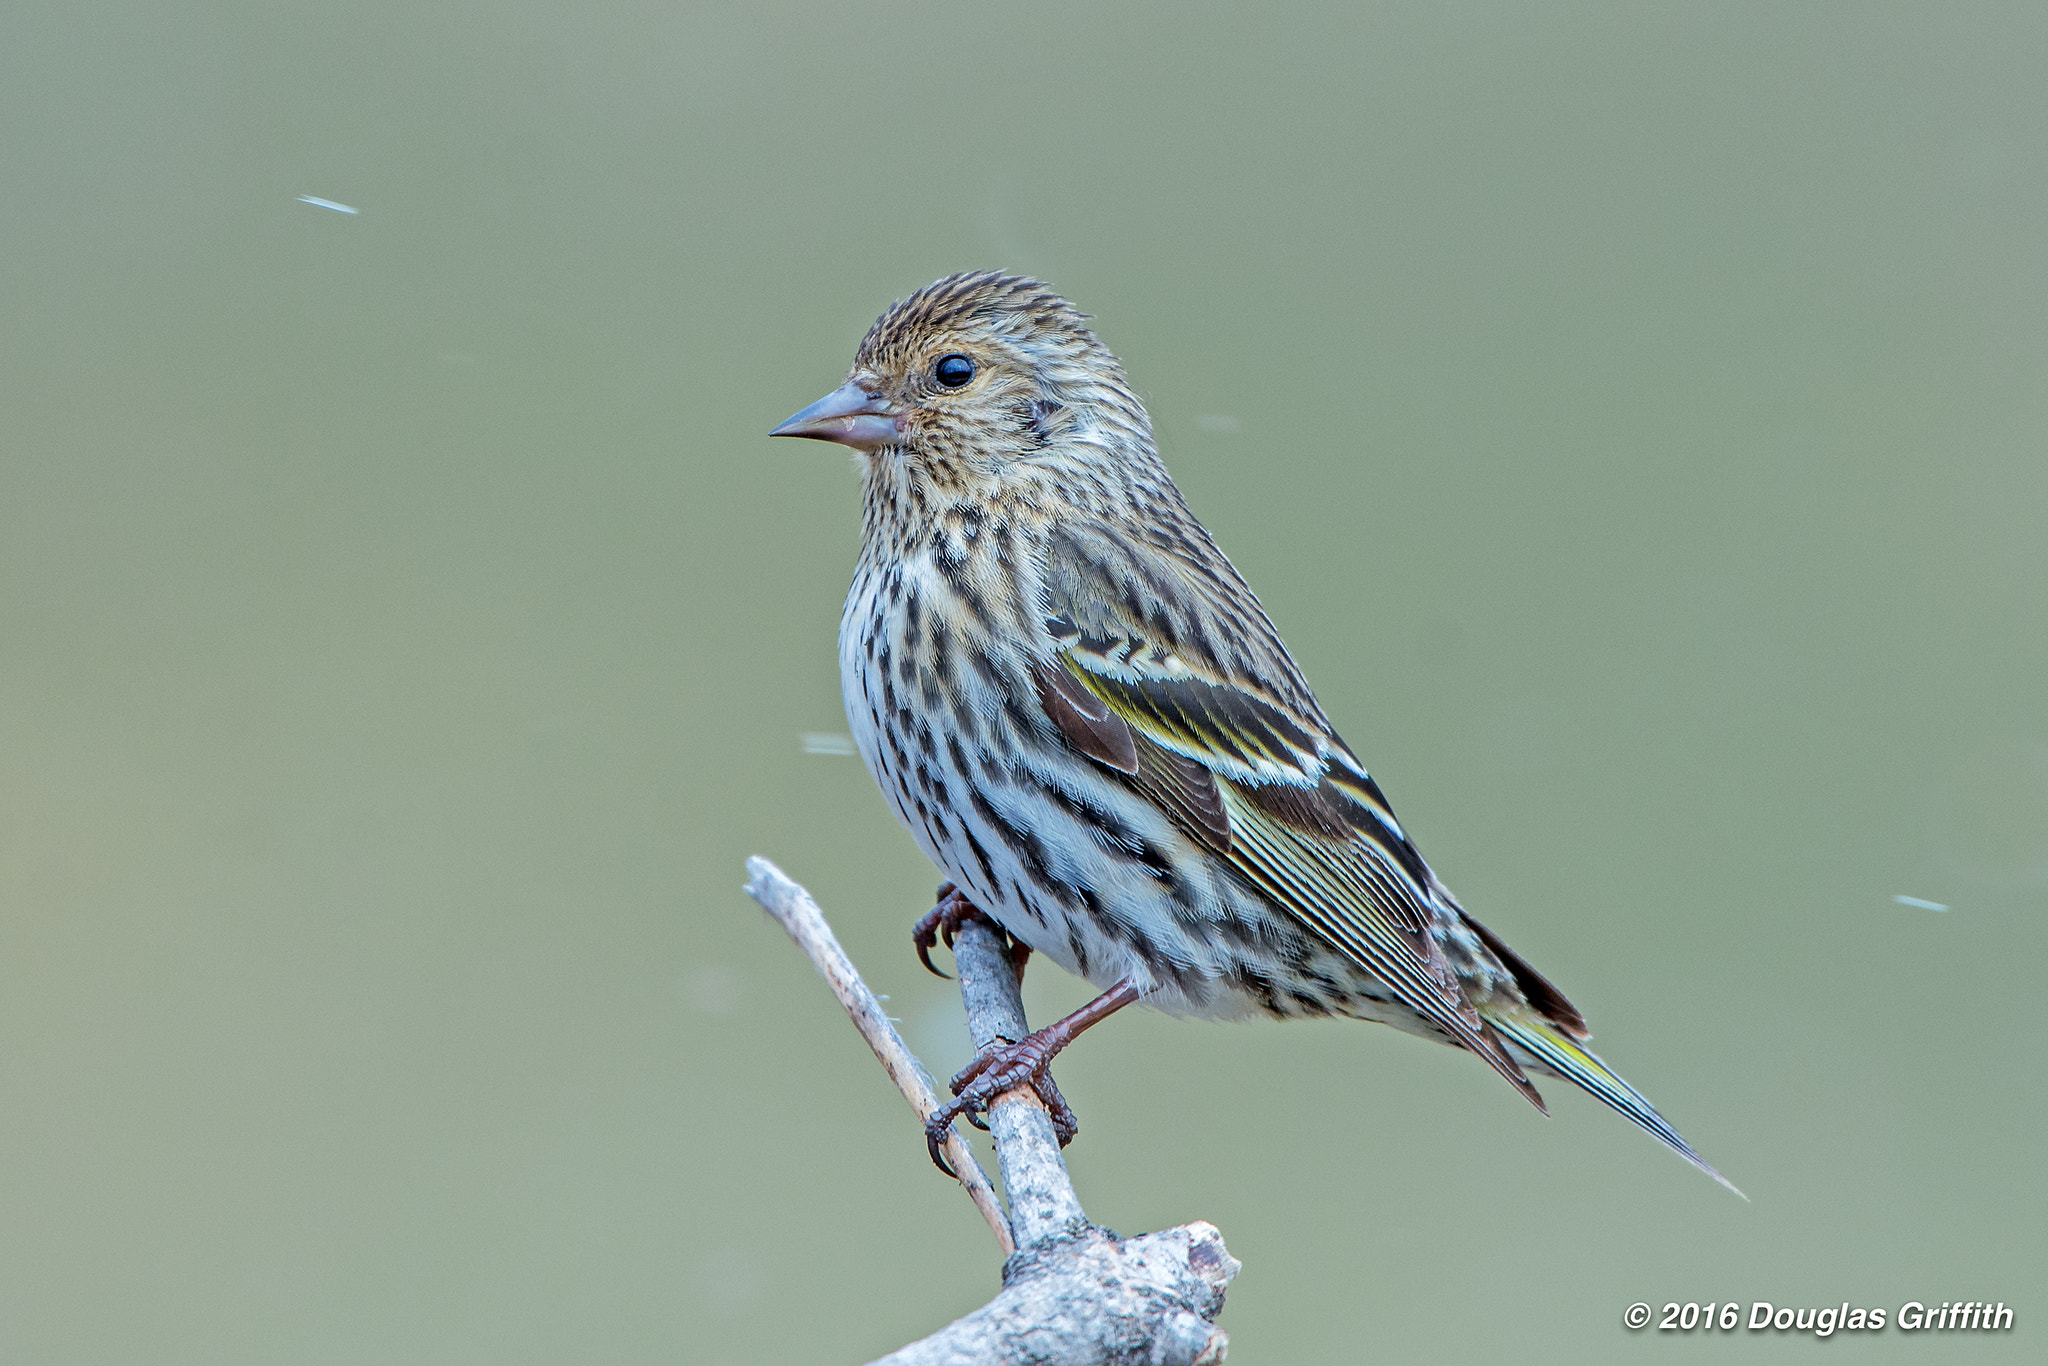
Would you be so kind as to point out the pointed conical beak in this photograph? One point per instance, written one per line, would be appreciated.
(849, 415)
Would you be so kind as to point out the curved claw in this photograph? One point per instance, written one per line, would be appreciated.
(941, 922)
(925, 945)
(935, 1135)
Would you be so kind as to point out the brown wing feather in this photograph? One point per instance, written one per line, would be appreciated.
(1085, 719)
(1186, 790)
(1545, 999)
(1180, 786)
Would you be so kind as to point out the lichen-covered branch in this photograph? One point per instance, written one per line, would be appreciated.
(1074, 1293)
(1095, 1298)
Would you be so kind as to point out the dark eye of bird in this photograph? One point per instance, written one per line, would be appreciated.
(953, 371)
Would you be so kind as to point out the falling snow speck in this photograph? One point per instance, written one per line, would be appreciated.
(317, 202)
(1916, 901)
(822, 742)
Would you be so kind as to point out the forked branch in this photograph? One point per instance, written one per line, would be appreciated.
(1073, 1292)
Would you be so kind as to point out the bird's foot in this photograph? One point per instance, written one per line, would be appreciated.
(943, 921)
(1006, 1067)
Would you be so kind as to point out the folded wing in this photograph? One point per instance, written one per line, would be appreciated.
(1227, 740)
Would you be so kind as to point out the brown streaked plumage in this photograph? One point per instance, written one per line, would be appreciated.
(1080, 711)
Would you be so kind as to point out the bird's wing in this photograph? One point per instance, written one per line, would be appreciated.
(1228, 741)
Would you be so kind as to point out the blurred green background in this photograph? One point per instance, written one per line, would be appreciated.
(1633, 415)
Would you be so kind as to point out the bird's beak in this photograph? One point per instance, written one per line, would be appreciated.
(849, 415)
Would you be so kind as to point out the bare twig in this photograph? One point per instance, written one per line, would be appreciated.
(1035, 1183)
(1073, 1292)
(794, 910)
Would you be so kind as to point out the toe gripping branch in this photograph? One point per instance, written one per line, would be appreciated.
(943, 921)
(1001, 1068)
(1006, 1066)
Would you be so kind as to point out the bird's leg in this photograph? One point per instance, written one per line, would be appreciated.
(944, 920)
(1005, 1067)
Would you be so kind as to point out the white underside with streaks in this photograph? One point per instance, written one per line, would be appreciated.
(978, 851)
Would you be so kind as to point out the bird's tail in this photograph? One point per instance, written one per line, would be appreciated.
(1537, 1045)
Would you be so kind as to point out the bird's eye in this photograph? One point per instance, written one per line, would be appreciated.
(953, 371)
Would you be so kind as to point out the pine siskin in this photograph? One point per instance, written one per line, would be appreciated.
(1084, 717)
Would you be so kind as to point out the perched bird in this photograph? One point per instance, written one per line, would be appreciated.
(1084, 717)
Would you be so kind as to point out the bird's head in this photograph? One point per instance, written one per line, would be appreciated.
(974, 381)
